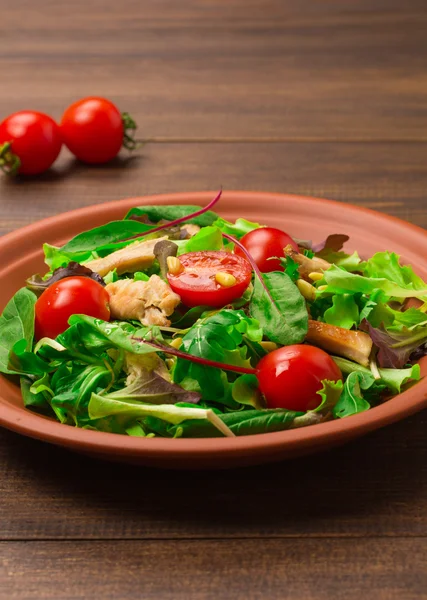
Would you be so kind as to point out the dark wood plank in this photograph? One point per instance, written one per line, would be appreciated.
(387, 177)
(322, 70)
(374, 486)
(390, 569)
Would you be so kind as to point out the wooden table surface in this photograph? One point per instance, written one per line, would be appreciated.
(317, 97)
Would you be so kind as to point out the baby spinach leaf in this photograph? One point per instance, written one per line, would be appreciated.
(280, 308)
(16, 323)
(157, 213)
(115, 231)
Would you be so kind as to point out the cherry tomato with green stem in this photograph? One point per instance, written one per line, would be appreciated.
(30, 142)
(69, 296)
(94, 130)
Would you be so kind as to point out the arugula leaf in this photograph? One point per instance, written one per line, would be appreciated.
(351, 400)
(172, 212)
(280, 308)
(111, 232)
(238, 229)
(16, 324)
(344, 311)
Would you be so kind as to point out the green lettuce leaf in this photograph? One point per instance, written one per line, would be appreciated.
(344, 311)
(208, 238)
(351, 400)
(279, 308)
(386, 265)
(238, 229)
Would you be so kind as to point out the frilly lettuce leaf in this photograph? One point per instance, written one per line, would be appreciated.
(344, 311)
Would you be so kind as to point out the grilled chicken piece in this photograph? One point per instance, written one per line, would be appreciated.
(135, 257)
(354, 345)
(150, 302)
(307, 265)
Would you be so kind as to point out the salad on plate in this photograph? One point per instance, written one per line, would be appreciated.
(175, 322)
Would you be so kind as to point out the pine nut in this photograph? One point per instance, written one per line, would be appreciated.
(316, 276)
(225, 279)
(268, 346)
(306, 289)
(176, 342)
(174, 265)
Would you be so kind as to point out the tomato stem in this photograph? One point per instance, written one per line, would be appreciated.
(129, 128)
(197, 359)
(9, 162)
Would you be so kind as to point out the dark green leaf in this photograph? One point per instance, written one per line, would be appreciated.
(157, 213)
(16, 323)
(281, 311)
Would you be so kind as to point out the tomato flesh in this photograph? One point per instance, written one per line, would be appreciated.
(93, 130)
(265, 243)
(290, 377)
(70, 296)
(196, 283)
(36, 140)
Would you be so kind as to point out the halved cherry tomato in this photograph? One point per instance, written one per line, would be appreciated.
(30, 142)
(70, 296)
(265, 243)
(94, 130)
(290, 377)
(196, 283)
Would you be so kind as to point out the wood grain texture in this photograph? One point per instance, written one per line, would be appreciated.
(293, 70)
(387, 177)
(392, 569)
(324, 98)
(376, 486)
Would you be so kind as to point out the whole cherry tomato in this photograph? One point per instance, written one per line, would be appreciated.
(94, 130)
(264, 244)
(69, 296)
(290, 377)
(199, 280)
(30, 142)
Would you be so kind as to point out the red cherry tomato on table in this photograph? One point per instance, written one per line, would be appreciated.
(94, 130)
(30, 142)
(265, 243)
(70, 296)
(196, 283)
(290, 377)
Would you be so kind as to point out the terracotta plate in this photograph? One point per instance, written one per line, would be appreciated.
(308, 218)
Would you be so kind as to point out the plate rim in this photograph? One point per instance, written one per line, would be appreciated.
(28, 423)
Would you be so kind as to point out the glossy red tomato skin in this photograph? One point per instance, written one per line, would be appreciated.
(196, 284)
(93, 130)
(264, 243)
(69, 296)
(290, 377)
(36, 140)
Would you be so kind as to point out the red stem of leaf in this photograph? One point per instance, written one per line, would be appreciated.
(253, 264)
(180, 220)
(197, 359)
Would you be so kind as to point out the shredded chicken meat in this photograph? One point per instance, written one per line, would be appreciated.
(135, 257)
(307, 265)
(354, 345)
(150, 302)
